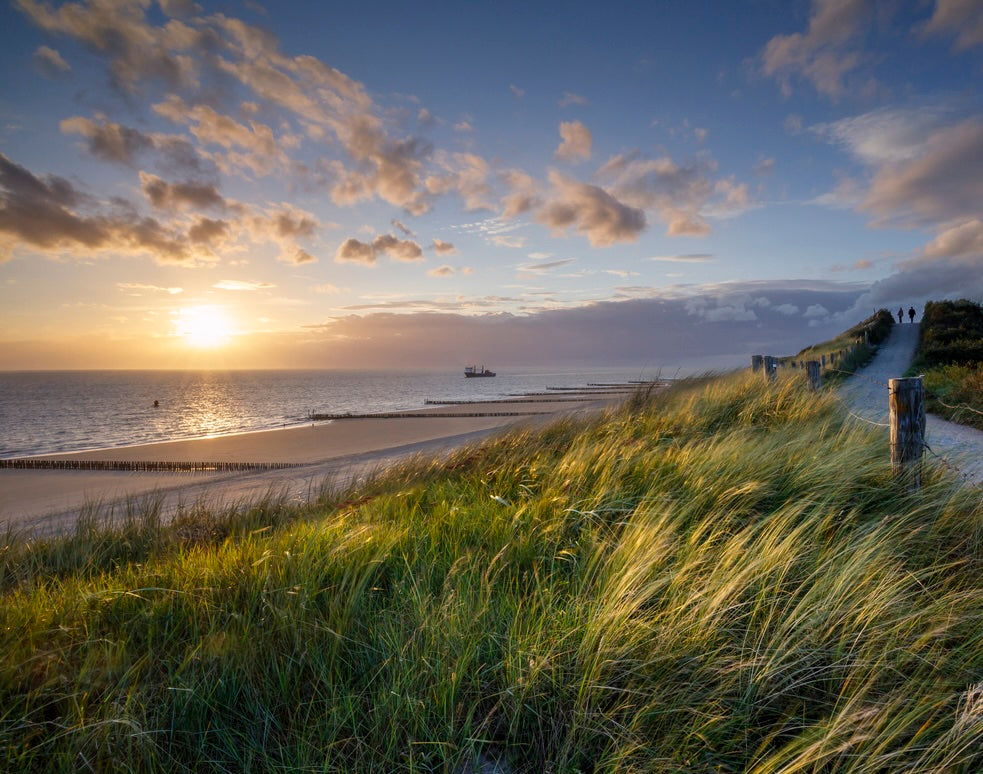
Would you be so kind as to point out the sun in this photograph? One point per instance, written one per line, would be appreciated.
(204, 327)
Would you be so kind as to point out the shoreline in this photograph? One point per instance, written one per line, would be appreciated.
(332, 453)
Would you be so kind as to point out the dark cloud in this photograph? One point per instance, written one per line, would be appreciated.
(737, 320)
(354, 251)
(49, 213)
(592, 211)
(173, 196)
(208, 231)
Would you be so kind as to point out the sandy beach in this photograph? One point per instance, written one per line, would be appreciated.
(324, 453)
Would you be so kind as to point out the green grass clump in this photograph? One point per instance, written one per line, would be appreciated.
(722, 577)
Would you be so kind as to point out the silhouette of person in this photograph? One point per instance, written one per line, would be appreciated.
(900, 315)
(911, 314)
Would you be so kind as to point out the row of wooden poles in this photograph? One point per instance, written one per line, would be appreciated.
(148, 466)
(906, 411)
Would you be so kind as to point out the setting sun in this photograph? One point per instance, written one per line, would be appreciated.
(203, 326)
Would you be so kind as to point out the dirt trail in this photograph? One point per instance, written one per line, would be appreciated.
(865, 394)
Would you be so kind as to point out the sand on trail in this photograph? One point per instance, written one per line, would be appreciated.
(324, 454)
(866, 396)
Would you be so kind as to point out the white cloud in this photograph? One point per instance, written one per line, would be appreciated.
(576, 144)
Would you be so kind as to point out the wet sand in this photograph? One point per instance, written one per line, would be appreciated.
(326, 453)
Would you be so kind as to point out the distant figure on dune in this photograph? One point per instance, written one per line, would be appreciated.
(900, 314)
(911, 314)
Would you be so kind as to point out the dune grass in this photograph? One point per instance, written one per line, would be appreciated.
(720, 577)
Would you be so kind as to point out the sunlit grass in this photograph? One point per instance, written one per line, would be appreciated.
(722, 577)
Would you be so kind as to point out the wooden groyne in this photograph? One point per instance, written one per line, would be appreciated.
(435, 415)
(432, 402)
(142, 466)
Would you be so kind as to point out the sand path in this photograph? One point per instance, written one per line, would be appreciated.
(865, 394)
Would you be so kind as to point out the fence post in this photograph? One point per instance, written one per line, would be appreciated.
(907, 410)
(771, 368)
(757, 363)
(814, 375)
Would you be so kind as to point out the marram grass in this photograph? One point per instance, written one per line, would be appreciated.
(718, 578)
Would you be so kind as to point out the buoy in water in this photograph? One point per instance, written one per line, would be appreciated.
(156, 404)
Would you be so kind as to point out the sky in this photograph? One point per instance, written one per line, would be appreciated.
(426, 185)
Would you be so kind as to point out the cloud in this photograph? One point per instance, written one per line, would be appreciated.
(119, 32)
(962, 18)
(787, 309)
(208, 231)
(764, 167)
(885, 135)
(524, 193)
(50, 62)
(49, 213)
(109, 141)
(465, 174)
(519, 93)
(298, 256)
(544, 268)
(401, 227)
(942, 183)
(675, 193)
(825, 54)
(173, 196)
(591, 211)
(507, 240)
(684, 258)
(443, 248)
(816, 311)
(576, 144)
(570, 98)
(355, 251)
(442, 271)
(136, 288)
(253, 147)
(964, 240)
(242, 285)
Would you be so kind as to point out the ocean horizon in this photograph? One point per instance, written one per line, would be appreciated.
(49, 412)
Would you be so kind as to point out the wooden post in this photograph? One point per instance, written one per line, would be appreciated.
(814, 375)
(771, 368)
(907, 410)
(757, 363)
(824, 361)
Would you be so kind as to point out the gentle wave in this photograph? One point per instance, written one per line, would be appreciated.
(44, 412)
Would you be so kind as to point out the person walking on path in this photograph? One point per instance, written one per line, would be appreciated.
(911, 314)
(900, 314)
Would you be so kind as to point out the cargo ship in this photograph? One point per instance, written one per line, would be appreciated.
(471, 371)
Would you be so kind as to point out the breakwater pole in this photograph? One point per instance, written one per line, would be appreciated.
(814, 375)
(141, 466)
(757, 363)
(907, 418)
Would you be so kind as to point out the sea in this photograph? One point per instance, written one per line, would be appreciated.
(46, 412)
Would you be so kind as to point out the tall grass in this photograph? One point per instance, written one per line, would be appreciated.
(719, 578)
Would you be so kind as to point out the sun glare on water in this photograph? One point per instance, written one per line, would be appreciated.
(203, 326)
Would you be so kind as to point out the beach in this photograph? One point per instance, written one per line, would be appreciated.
(325, 453)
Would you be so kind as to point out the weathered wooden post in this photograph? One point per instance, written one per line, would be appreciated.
(757, 363)
(907, 410)
(771, 368)
(824, 361)
(814, 375)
